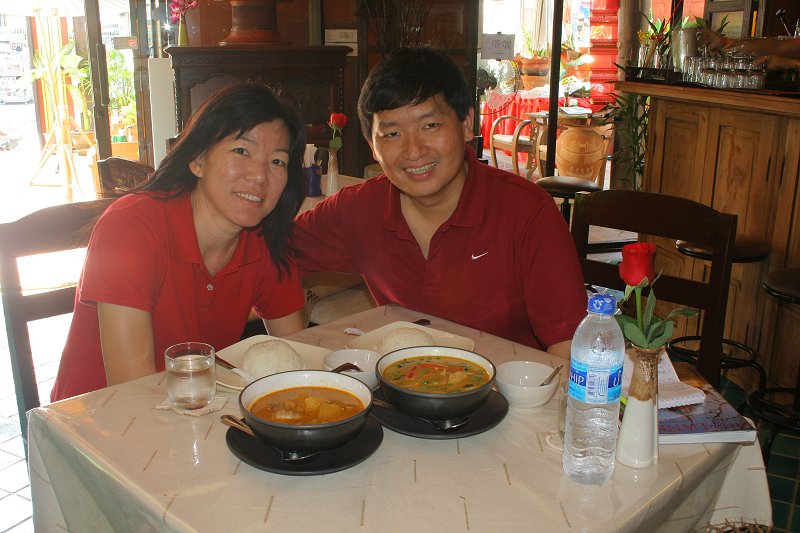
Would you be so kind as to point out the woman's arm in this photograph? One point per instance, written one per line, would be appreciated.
(126, 337)
(279, 327)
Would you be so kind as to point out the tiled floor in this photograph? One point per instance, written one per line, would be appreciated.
(15, 498)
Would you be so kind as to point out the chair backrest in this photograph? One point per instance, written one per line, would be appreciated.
(52, 229)
(118, 175)
(659, 215)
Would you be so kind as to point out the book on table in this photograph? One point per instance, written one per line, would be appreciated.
(713, 420)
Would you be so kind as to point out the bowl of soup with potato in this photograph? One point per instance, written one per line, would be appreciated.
(435, 382)
(306, 410)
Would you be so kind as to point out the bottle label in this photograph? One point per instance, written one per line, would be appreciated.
(599, 385)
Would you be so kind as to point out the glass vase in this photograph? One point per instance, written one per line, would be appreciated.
(183, 33)
(637, 444)
(332, 183)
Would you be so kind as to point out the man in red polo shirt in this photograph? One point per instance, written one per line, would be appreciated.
(440, 232)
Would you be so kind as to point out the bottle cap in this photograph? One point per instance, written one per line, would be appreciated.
(602, 304)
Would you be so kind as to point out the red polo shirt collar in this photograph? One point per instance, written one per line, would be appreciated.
(183, 236)
(470, 208)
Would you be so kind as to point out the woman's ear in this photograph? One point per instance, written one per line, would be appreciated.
(196, 166)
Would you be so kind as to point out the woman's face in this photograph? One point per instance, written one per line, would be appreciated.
(242, 179)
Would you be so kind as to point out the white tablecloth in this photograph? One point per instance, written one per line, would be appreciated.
(108, 461)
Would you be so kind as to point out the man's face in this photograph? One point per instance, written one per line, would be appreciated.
(421, 148)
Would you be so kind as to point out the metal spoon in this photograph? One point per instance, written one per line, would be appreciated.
(442, 425)
(551, 375)
(289, 456)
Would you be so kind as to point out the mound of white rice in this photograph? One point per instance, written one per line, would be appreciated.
(404, 338)
(269, 357)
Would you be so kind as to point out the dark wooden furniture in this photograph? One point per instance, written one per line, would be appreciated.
(53, 229)
(309, 77)
(118, 175)
(735, 354)
(767, 402)
(738, 153)
(651, 214)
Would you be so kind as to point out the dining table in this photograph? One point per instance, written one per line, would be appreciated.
(110, 461)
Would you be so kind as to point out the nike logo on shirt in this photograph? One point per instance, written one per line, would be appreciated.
(474, 257)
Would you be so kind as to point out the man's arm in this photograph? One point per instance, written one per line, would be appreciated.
(560, 349)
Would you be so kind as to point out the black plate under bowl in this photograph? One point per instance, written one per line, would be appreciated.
(485, 418)
(264, 457)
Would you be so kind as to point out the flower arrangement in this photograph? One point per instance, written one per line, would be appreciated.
(178, 8)
(636, 270)
(337, 121)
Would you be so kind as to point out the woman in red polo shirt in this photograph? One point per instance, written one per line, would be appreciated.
(189, 255)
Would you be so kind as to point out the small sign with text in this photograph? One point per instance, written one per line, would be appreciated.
(498, 46)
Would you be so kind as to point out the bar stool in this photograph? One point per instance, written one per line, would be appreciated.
(784, 285)
(566, 187)
(745, 250)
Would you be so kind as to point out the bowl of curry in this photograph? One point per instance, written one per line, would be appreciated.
(435, 382)
(306, 410)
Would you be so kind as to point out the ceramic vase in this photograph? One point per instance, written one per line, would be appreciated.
(183, 33)
(332, 185)
(637, 444)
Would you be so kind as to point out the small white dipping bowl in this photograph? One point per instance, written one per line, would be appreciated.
(363, 359)
(519, 382)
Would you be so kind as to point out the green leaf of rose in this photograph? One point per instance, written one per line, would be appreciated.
(663, 338)
(335, 143)
(631, 332)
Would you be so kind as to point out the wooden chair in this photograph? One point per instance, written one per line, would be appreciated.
(52, 229)
(658, 215)
(516, 143)
(118, 175)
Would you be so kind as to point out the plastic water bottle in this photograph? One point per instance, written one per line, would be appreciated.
(595, 383)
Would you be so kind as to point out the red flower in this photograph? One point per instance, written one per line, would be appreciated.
(637, 263)
(336, 122)
(339, 120)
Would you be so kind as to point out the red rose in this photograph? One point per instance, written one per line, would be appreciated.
(637, 263)
(338, 119)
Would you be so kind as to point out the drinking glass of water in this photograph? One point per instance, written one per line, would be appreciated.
(191, 376)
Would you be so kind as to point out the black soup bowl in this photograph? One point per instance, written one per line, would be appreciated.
(434, 406)
(311, 437)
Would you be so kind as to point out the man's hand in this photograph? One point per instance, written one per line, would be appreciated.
(776, 62)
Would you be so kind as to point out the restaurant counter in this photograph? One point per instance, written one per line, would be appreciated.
(109, 461)
(738, 152)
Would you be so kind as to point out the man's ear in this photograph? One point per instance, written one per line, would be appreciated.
(468, 123)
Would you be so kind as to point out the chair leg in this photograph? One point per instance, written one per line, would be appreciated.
(566, 209)
(493, 150)
(765, 453)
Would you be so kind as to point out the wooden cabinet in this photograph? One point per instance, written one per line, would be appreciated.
(309, 77)
(737, 152)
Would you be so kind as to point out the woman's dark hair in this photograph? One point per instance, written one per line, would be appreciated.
(409, 76)
(236, 110)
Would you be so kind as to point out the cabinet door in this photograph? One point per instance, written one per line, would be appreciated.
(676, 152)
(740, 151)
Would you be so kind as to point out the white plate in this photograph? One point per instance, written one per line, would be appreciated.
(371, 339)
(311, 355)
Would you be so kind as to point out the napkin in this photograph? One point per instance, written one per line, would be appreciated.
(308, 156)
(217, 404)
(672, 392)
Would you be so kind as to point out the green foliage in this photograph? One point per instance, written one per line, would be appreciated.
(121, 92)
(65, 72)
(647, 330)
(629, 113)
(702, 23)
